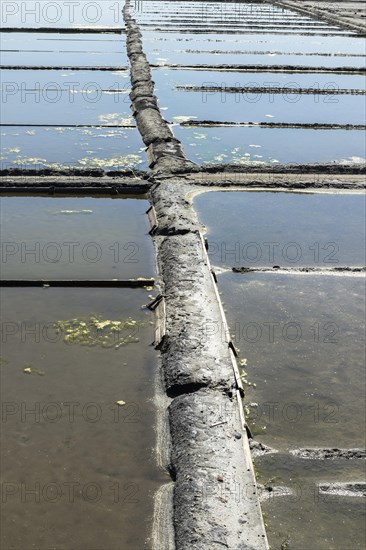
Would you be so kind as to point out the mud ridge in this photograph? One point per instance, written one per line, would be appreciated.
(276, 52)
(59, 68)
(209, 442)
(229, 31)
(7, 174)
(210, 451)
(343, 489)
(291, 168)
(164, 150)
(67, 125)
(295, 270)
(238, 177)
(273, 90)
(329, 454)
(263, 68)
(279, 125)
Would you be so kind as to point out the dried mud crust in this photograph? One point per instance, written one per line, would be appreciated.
(215, 499)
(193, 355)
(349, 15)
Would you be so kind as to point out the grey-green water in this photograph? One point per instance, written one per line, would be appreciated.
(287, 229)
(75, 238)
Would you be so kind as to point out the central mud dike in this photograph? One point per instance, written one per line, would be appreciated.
(214, 499)
(203, 440)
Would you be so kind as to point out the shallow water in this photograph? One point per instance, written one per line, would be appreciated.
(66, 97)
(63, 43)
(239, 106)
(170, 78)
(336, 522)
(321, 230)
(241, 38)
(302, 338)
(47, 147)
(37, 49)
(79, 470)
(97, 98)
(283, 43)
(109, 235)
(62, 59)
(189, 58)
(241, 17)
(27, 13)
(239, 145)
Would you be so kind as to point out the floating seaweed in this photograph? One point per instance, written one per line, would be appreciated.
(31, 370)
(95, 331)
(75, 212)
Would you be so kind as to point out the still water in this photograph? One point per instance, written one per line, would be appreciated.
(75, 238)
(78, 463)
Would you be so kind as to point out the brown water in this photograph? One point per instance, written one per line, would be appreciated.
(306, 518)
(78, 470)
(303, 338)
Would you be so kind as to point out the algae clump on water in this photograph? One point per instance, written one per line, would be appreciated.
(96, 331)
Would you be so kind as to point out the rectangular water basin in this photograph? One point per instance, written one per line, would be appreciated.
(77, 387)
(75, 238)
(60, 147)
(257, 229)
(240, 145)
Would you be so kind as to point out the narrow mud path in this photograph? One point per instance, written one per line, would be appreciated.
(215, 502)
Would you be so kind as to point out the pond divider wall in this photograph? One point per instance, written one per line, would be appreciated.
(215, 501)
(164, 150)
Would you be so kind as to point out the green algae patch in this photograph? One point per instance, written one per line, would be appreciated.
(96, 331)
